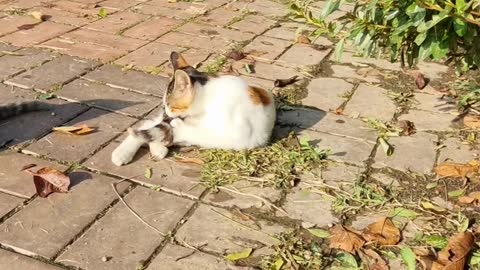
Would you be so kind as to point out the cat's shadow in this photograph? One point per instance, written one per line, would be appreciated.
(296, 119)
(27, 127)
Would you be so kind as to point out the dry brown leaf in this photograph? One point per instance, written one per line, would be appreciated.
(345, 239)
(382, 232)
(472, 121)
(285, 82)
(407, 127)
(75, 130)
(420, 80)
(472, 198)
(425, 256)
(236, 55)
(302, 39)
(454, 255)
(256, 53)
(193, 160)
(372, 260)
(48, 180)
(38, 15)
(451, 169)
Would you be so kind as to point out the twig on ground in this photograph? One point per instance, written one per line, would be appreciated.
(255, 196)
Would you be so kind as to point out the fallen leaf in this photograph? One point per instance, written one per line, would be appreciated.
(425, 256)
(431, 206)
(278, 264)
(347, 260)
(454, 255)
(48, 180)
(193, 160)
(319, 233)
(420, 80)
(451, 169)
(28, 166)
(456, 193)
(383, 232)
(472, 198)
(372, 260)
(80, 130)
(387, 148)
(285, 82)
(236, 55)
(256, 53)
(37, 15)
(302, 39)
(402, 212)
(249, 68)
(345, 239)
(148, 172)
(102, 13)
(239, 255)
(435, 241)
(408, 257)
(407, 127)
(472, 121)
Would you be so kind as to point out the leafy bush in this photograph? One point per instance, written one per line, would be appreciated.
(411, 30)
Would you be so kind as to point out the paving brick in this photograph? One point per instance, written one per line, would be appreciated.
(265, 71)
(13, 23)
(266, 49)
(262, 83)
(84, 9)
(163, 11)
(225, 198)
(333, 174)
(264, 7)
(424, 120)
(287, 31)
(421, 146)
(45, 226)
(303, 55)
(115, 23)
(351, 75)
(37, 34)
(13, 180)
(327, 122)
(10, 260)
(434, 103)
(456, 151)
(253, 24)
(189, 41)
(120, 4)
(65, 17)
(130, 79)
(178, 178)
(11, 65)
(220, 17)
(8, 203)
(186, 5)
(371, 101)
(217, 230)
(120, 236)
(350, 57)
(72, 148)
(432, 70)
(29, 126)
(104, 39)
(84, 50)
(306, 206)
(151, 28)
(108, 98)
(205, 30)
(52, 74)
(24, 4)
(5, 48)
(327, 93)
(169, 259)
(149, 56)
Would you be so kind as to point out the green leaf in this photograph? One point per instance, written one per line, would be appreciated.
(456, 193)
(431, 185)
(460, 27)
(436, 241)
(347, 260)
(148, 172)
(339, 49)
(420, 38)
(439, 49)
(278, 264)
(460, 6)
(319, 233)
(45, 96)
(430, 206)
(475, 259)
(239, 255)
(402, 212)
(387, 148)
(463, 226)
(424, 26)
(330, 7)
(408, 257)
(102, 13)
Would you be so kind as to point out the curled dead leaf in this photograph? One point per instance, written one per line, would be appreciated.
(302, 39)
(38, 15)
(472, 198)
(407, 127)
(372, 260)
(75, 130)
(472, 121)
(420, 80)
(48, 180)
(383, 232)
(236, 55)
(345, 239)
(454, 255)
(193, 160)
(451, 169)
(285, 82)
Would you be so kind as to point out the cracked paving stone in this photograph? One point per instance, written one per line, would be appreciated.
(53, 74)
(10, 260)
(416, 153)
(334, 174)
(266, 49)
(174, 177)
(27, 127)
(434, 103)
(11, 65)
(265, 71)
(327, 93)
(456, 151)
(225, 198)
(7, 202)
(121, 236)
(74, 148)
(350, 74)
(218, 230)
(40, 33)
(430, 121)
(371, 101)
(46, 225)
(303, 55)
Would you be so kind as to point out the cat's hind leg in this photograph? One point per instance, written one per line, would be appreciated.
(125, 152)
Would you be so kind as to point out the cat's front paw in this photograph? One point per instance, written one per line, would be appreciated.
(121, 157)
(176, 122)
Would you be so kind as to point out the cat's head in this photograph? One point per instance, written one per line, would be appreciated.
(186, 81)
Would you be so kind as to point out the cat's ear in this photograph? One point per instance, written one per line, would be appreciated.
(178, 61)
(183, 93)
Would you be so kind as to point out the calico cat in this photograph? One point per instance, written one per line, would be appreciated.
(211, 112)
(18, 108)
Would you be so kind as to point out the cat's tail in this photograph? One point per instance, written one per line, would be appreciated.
(17, 108)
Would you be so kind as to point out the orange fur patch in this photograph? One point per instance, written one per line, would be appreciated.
(259, 96)
(180, 62)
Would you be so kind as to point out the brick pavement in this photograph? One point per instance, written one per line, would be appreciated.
(109, 72)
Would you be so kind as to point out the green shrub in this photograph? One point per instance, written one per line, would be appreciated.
(410, 30)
